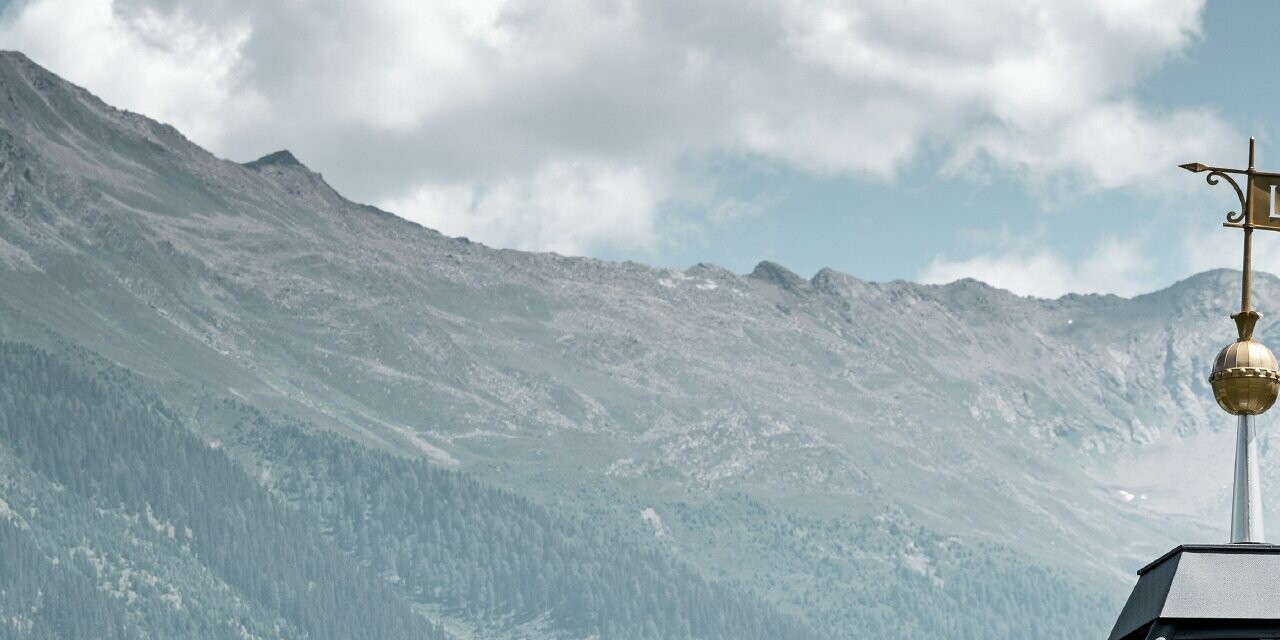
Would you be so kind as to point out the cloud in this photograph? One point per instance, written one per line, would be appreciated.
(473, 114)
(1111, 267)
(1110, 146)
(563, 207)
(1223, 249)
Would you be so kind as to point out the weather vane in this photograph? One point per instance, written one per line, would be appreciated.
(1245, 377)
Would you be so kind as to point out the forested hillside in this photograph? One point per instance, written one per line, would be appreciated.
(372, 534)
(104, 449)
(497, 557)
(447, 539)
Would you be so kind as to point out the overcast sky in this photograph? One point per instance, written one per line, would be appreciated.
(1030, 145)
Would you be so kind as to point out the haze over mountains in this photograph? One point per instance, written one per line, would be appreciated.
(235, 404)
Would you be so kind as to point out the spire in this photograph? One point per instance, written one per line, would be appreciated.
(1246, 498)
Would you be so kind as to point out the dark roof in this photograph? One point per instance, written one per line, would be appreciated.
(1219, 586)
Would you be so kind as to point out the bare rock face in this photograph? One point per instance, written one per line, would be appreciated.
(823, 444)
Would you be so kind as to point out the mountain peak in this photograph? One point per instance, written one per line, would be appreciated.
(9, 54)
(828, 280)
(18, 60)
(281, 158)
(777, 274)
(19, 69)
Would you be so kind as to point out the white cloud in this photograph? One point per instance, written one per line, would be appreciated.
(563, 207)
(1038, 89)
(1111, 267)
(501, 118)
(1109, 146)
(1216, 248)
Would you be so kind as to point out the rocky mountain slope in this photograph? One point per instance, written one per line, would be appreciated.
(849, 458)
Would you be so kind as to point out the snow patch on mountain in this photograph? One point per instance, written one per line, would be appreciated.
(650, 516)
(12, 516)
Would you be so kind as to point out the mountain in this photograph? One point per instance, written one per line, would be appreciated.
(365, 424)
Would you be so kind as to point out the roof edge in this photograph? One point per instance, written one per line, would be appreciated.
(1238, 547)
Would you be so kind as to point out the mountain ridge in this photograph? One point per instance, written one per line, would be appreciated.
(765, 269)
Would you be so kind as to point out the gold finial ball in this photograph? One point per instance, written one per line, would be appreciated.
(1245, 378)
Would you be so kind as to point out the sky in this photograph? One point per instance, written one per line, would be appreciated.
(1031, 145)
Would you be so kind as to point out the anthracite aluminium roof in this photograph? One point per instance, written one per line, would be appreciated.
(1205, 591)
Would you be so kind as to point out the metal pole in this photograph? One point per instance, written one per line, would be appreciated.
(1246, 499)
(1245, 304)
(1247, 280)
